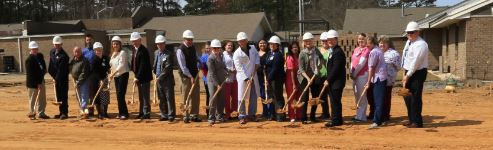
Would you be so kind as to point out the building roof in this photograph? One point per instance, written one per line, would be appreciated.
(208, 27)
(462, 10)
(384, 21)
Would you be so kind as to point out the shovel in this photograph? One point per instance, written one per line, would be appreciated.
(77, 96)
(243, 99)
(359, 100)
(185, 108)
(133, 94)
(216, 92)
(97, 93)
(283, 109)
(315, 101)
(298, 104)
(267, 100)
(55, 102)
(154, 101)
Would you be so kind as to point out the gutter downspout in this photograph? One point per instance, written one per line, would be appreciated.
(20, 55)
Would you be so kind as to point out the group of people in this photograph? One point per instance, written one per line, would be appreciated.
(236, 79)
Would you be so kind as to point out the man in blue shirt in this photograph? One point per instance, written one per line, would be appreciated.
(89, 54)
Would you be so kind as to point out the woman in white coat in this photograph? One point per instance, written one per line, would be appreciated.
(246, 60)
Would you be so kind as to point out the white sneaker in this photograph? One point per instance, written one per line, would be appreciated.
(373, 126)
(292, 120)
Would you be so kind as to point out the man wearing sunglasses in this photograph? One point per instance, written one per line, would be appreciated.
(415, 64)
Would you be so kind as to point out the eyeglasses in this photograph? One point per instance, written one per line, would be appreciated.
(411, 32)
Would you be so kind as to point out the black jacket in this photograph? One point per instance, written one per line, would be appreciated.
(143, 68)
(100, 67)
(274, 65)
(58, 67)
(336, 70)
(35, 70)
(167, 63)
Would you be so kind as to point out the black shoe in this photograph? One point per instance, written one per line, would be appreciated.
(186, 120)
(163, 119)
(63, 117)
(44, 116)
(331, 124)
(171, 119)
(57, 116)
(139, 116)
(414, 125)
(146, 117)
(304, 122)
(196, 119)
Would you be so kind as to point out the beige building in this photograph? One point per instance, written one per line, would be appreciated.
(462, 37)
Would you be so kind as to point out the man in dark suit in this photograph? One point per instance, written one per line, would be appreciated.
(336, 76)
(141, 66)
(58, 69)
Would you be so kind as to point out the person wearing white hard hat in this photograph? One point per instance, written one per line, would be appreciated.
(120, 67)
(35, 71)
(101, 68)
(141, 66)
(268, 111)
(247, 61)
(58, 70)
(326, 52)
(310, 64)
(215, 77)
(359, 74)
(275, 74)
(89, 54)
(336, 78)
(79, 70)
(415, 64)
(187, 57)
(163, 69)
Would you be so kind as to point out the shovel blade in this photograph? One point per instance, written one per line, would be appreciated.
(299, 105)
(234, 114)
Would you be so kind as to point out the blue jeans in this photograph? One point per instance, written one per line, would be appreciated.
(84, 95)
(144, 98)
(252, 105)
(379, 88)
(267, 109)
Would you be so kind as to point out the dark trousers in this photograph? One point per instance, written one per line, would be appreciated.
(144, 98)
(414, 103)
(268, 110)
(207, 97)
(121, 83)
(93, 89)
(61, 88)
(378, 100)
(387, 103)
(166, 94)
(371, 100)
(335, 96)
(315, 91)
(276, 90)
(325, 103)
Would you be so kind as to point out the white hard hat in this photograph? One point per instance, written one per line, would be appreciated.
(307, 36)
(135, 36)
(116, 38)
(57, 40)
(275, 39)
(187, 34)
(215, 43)
(33, 45)
(241, 36)
(412, 26)
(97, 45)
(160, 39)
(332, 34)
(323, 36)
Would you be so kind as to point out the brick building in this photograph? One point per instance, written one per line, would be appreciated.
(463, 34)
